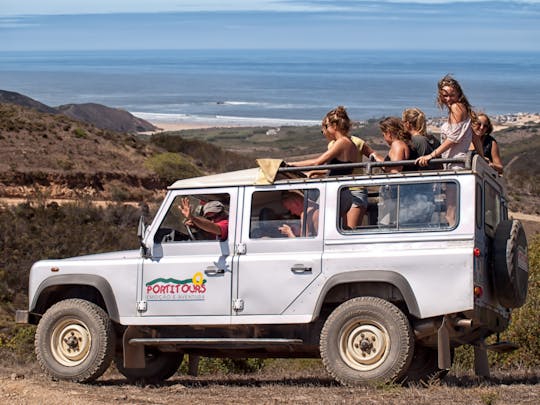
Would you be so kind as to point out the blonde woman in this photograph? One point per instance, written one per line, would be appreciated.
(414, 121)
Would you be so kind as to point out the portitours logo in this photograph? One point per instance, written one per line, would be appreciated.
(171, 289)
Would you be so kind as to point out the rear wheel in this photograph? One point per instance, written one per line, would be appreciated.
(159, 367)
(366, 340)
(74, 341)
(425, 366)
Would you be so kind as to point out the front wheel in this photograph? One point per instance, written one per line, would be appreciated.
(366, 340)
(75, 341)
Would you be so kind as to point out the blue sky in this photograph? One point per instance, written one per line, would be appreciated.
(36, 25)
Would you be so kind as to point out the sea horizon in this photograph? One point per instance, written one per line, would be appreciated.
(272, 87)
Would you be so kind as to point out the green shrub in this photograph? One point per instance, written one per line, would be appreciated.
(172, 166)
(45, 231)
(79, 133)
(524, 328)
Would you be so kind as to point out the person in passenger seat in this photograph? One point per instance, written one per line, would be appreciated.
(293, 200)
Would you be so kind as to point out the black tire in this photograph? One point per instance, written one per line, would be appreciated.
(366, 340)
(425, 366)
(510, 264)
(75, 341)
(160, 366)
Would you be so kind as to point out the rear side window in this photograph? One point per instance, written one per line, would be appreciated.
(285, 214)
(398, 207)
(492, 207)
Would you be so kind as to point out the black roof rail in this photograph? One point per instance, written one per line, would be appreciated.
(368, 166)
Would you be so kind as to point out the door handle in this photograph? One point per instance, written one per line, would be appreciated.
(300, 268)
(213, 271)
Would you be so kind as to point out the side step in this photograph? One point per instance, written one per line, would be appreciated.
(214, 342)
(502, 347)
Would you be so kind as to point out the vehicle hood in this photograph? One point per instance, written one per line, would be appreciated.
(124, 254)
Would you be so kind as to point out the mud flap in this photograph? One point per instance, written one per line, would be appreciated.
(443, 346)
(133, 354)
(481, 363)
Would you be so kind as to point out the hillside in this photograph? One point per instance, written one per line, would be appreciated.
(101, 116)
(54, 156)
(105, 117)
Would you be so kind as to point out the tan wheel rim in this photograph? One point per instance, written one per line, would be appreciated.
(70, 342)
(364, 345)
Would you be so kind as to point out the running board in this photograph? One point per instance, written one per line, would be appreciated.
(214, 342)
(502, 347)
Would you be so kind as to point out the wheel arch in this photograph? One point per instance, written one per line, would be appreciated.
(89, 287)
(387, 285)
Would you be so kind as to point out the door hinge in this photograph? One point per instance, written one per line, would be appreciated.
(241, 249)
(238, 305)
(141, 306)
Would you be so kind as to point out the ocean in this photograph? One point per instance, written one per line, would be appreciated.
(271, 87)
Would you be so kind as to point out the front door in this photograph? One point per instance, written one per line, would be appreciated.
(190, 270)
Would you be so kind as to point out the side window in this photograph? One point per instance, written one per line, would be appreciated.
(478, 208)
(398, 207)
(492, 207)
(210, 219)
(284, 214)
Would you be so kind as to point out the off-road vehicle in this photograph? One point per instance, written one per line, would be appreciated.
(434, 264)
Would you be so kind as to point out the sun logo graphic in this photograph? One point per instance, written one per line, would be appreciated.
(171, 289)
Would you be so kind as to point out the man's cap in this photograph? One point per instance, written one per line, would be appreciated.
(213, 207)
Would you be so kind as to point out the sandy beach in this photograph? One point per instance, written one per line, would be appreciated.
(499, 122)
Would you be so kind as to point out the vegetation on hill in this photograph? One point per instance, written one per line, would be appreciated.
(520, 148)
(57, 157)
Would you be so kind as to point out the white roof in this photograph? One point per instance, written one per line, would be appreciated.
(236, 178)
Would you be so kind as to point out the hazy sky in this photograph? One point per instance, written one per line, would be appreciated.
(261, 24)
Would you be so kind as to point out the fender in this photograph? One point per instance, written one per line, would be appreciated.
(97, 282)
(372, 276)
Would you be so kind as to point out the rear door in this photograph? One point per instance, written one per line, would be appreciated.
(276, 269)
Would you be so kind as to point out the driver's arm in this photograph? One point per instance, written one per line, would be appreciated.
(197, 221)
(204, 224)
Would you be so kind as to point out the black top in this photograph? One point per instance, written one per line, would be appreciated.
(487, 144)
(339, 172)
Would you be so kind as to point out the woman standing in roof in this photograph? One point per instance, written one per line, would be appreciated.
(335, 127)
(483, 128)
(456, 132)
(414, 121)
(399, 141)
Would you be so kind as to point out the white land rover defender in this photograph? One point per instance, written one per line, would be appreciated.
(434, 263)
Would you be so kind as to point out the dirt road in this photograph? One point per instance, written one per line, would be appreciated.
(28, 386)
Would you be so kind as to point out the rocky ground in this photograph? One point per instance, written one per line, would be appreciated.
(26, 385)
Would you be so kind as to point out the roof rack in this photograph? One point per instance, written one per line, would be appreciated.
(369, 166)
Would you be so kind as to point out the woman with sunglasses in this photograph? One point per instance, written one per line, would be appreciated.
(483, 128)
(335, 127)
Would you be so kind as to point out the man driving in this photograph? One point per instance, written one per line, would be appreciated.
(214, 220)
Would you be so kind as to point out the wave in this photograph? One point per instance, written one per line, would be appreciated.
(222, 120)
